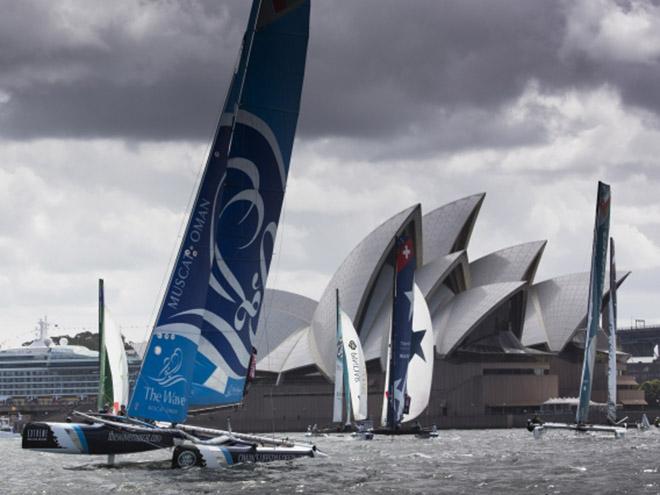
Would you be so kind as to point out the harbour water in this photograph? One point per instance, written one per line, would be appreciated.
(458, 462)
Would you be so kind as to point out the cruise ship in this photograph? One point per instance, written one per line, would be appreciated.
(49, 371)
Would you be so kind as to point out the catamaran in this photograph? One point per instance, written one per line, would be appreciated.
(98, 434)
(350, 377)
(410, 349)
(200, 355)
(596, 283)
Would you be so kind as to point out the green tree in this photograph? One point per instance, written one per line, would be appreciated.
(651, 390)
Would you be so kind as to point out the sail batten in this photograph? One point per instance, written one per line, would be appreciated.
(596, 283)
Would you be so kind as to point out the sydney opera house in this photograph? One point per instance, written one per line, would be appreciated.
(506, 345)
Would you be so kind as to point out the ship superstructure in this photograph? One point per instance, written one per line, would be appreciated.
(45, 369)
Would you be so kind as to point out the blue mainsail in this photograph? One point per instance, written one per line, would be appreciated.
(200, 349)
(402, 313)
(596, 283)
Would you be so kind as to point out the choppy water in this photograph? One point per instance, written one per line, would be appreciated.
(460, 461)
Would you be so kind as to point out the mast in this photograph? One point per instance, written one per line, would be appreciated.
(391, 409)
(611, 312)
(339, 370)
(105, 382)
(596, 282)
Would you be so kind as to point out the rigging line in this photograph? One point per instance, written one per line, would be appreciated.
(277, 254)
(177, 242)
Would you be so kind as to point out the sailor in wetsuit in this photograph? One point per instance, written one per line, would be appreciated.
(534, 422)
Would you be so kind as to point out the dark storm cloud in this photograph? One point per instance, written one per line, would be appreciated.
(147, 70)
(377, 69)
(388, 65)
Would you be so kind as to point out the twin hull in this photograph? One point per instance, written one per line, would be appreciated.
(102, 439)
(95, 438)
(216, 456)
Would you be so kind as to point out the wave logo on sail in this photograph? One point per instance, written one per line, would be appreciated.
(249, 212)
(169, 374)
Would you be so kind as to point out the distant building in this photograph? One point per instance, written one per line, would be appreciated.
(504, 343)
(46, 371)
(640, 341)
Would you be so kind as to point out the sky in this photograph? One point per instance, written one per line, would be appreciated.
(107, 110)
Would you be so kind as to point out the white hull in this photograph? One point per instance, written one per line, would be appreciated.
(541, 428)
(191, 454)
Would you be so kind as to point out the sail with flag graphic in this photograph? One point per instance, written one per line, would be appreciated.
(200, 350)
(596, 283)
(421, 358)
(611, 323)
(401, 337)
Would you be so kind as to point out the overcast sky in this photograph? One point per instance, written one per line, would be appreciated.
(107, 109)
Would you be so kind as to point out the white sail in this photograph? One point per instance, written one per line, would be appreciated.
(118, 361)
(383, 415)
(356, 367)
(420, 368)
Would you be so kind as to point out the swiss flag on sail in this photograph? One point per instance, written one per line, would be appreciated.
(404, 253)
(604, 206)
(279, 5)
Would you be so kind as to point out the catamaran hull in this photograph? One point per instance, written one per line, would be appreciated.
(95, 438)
(539, 429)
(212, 456)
